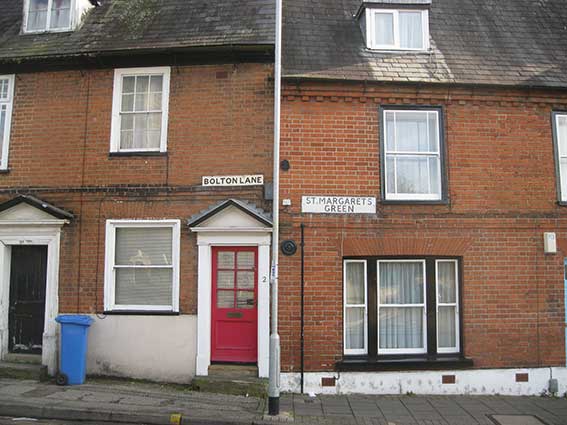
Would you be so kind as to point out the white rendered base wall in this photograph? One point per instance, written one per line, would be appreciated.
(157, 348)
(473, 382)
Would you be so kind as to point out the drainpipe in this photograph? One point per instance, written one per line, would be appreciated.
(274, 382)
(302, 308)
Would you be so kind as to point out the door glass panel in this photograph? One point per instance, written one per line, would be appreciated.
(225, 280)
(245, 280)
(245, 299)
(225, 299)
(226, 260)
(245, 260)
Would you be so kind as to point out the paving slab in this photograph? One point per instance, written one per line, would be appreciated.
(516, 420)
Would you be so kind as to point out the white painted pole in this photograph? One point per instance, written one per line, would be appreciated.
(274, 382)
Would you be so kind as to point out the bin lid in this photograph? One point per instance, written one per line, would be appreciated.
(74, 319)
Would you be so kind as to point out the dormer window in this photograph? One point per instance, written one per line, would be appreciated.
(388, 28)
(53, 15)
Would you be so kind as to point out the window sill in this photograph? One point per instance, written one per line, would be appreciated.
(131, 154)
(141, 313)
(365, 364)
(4, 170)
(414, 202)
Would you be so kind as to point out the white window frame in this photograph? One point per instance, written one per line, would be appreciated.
(355, 351)
(559, 154)
(72, 18)
(9, 102)
(423, 305)
(412, 196)
(371, 27)
(119, 74)
(110, 270)
(438, 304)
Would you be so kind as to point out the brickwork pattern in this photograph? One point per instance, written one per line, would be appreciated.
(502, 197)
(220, 123)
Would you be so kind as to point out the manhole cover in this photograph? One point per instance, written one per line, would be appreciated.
(516, 420)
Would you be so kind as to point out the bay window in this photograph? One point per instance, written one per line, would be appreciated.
(401, 307)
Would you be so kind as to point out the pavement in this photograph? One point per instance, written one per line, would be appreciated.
(124, 402)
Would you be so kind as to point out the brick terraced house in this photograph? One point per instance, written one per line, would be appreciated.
(424, 146)
(111, 115)
(423, 187)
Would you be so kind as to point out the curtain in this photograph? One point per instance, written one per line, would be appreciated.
(355, 296)
(411, 32)
(37, 15)
(412, 132)
(141, 114)
(447, 294)
(60, 14)
(401, 326)
(384, 27)
(2, 126)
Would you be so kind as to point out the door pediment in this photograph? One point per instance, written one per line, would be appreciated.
(231, 215)
(30, 210)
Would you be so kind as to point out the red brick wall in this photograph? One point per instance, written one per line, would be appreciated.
(502, 198)
(220, 123)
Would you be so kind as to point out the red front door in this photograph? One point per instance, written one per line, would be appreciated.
(235, 310)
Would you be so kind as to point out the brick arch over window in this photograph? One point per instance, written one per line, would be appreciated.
(353, 247)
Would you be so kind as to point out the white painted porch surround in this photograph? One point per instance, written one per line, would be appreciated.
(231, 227)
(24, 224)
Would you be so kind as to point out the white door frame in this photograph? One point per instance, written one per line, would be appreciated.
(48, 234)
(260, 238)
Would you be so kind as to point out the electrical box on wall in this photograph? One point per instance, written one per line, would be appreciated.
(549, 243)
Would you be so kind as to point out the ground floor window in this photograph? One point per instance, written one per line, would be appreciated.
(395, 306)
(142, 265)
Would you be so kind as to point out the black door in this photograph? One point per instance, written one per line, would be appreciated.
(28, 276)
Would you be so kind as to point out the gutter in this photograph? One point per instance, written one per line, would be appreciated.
(297, 80)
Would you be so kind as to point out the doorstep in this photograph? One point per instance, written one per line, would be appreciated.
(17, 370)
(232, 379)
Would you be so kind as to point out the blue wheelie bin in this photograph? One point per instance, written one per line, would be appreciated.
(73, 357)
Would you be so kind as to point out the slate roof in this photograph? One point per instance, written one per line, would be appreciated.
(142, 25)
(496, 42)
(245, 206)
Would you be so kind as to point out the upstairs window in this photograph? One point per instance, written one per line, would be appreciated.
(140, 109)
(54, 15)
(6, 103)
(392, 29)
(412, 165)
(48, 15)
(560, 137)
